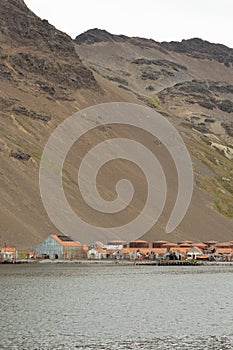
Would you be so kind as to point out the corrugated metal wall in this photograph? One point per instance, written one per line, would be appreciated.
(49, 247)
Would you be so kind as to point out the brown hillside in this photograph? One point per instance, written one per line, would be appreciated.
(44, 80)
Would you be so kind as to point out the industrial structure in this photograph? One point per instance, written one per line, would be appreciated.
(138, 244)
(60, 247)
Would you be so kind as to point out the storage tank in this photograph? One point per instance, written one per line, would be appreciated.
(170, 245)
(117, 243)
(158, 244)
(139, 244)
(211, 243)
(188, 243)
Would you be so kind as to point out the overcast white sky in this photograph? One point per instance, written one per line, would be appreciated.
(161, 20)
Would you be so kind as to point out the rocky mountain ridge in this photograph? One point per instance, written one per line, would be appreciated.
(202, 49)
(194, 47)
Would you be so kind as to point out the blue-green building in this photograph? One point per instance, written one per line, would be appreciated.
(59, 247)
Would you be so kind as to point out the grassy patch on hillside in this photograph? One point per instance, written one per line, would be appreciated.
(220, 185)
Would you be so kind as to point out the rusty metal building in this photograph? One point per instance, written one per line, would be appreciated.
(60, 247)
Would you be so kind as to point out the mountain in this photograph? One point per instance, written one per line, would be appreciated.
(42, 82)
(193, 76)
(45, 77)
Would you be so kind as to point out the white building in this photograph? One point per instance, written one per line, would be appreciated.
(96, 254)
(8, 254)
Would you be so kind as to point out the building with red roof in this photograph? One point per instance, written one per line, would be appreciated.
(60, 247)
(8, 254)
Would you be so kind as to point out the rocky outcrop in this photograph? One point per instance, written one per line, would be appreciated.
(161, 63)
(204, 93)
(118, 79)
(24, 28)
(202, 49)
(72, 76)
(20, 155)
(46, 87)
(227, 151)
(6, 103)
(98, 35)
(93, 36)
(152, 69)
(55, 57)
(228, 126)
(5, 72)
(225, 106)
(19, 110)
(150, 75)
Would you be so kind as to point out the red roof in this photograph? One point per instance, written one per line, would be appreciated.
(186, 245)
(225, 245)
(111, 251)
(200, 245)
(100, 244)
(144, 250)
(184, 242)
(211, 242)
(139, 241)
(99, 250)
(8, 249)
(180, 250)
(169, 244)
(224, 251)
(126, 250)
(197, 248)
(66, 243)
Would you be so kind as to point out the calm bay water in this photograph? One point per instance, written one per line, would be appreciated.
(56, 306)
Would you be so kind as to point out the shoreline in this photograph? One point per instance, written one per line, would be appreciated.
(117, 263)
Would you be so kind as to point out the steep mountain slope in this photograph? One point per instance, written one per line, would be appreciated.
(187, 78)
(191, 81)
(43, 80)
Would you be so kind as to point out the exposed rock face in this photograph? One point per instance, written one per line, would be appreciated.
(155, 69)
(31, 114)
(31, 48)
(20, 155)
(202, 49)
(228, 126)
(204, 93)
(161, 63)
(119, 80)
(72, 76)
(225, 106)
(5, 72)
(150, 75)
(98, 35)
(23, 27)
